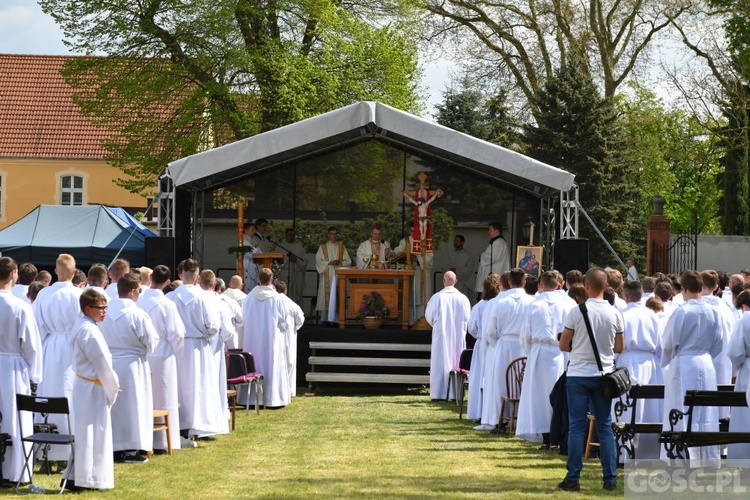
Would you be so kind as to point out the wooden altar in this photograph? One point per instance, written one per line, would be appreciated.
(378, 280)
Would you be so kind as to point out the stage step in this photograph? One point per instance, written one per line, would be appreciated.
(370, 346)
(376, 378)
(356, 361)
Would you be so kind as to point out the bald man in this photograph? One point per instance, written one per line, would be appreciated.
(448, 313)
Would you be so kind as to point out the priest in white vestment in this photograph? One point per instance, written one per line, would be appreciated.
(95, 391)
(131, 337)
(265, 321)
(249, 239)
(476, 373)
(416, 304)
(56, 309)
(295, 266)
(448, 313)
(371, 248)
(295, 318)
(739, 354)
(691, 339)
(20, 364)
(171, 331)
(505, 325)
(641, 355)
(544, 364)
(198, 386)
(461, 262)
(495, 258)
(330, 256)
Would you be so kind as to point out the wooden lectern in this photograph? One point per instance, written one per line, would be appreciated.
(266, 259)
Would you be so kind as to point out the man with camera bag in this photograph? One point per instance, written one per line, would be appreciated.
(584, 379)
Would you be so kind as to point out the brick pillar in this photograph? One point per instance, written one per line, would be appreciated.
(657, 239)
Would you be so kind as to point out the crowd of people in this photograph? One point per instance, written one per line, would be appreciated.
(121, 342)
(687, 332)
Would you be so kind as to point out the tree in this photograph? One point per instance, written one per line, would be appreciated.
(577, 130)
(530, 41)
(183, 77)
(672, 154)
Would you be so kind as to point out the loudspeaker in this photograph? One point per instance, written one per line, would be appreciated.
(160, 250)
(572, 254)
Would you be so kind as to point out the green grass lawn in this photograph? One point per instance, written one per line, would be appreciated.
(347, 444)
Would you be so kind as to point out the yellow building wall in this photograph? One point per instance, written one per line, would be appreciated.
(27, 183)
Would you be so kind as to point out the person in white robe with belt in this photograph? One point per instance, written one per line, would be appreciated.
(171, 331)
(544, 365)
(20, 364)
(506, 326)
(198, 386)
(495, 258)
(739, 355)
(641, 353)
(476, 372)
(56, 310)
(330, 256)
(265, 321)
(448, 313)
(692, 338)
(131, 337)
(295, 318)
(95, 391)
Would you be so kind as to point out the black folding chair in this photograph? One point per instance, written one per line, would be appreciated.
(45, 407)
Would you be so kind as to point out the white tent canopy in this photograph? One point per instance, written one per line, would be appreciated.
(358, 123)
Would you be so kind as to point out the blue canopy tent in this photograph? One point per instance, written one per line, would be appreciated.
(91, 233)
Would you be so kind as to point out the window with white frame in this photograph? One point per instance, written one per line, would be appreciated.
(71, 190)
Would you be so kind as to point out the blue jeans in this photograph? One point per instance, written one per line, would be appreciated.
(585, 393)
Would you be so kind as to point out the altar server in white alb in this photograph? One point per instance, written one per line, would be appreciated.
(131, 337)
(641, 355)
(295, 318)
(722, 364)
(119, 268)
(692, 338)
(495, 258)
(26, 274)
(505, 321)
(476, 373)
(739, 354)
(331, 255)
(95, 391)
(544, 364)
(265, 323)
(56, 309)
(20, 364)
(163, 363)
(198, 386)
(448, 313)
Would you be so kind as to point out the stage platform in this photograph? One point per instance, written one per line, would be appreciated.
(355, 355)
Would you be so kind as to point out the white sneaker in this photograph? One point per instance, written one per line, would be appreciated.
(483, 427)
(187, 443)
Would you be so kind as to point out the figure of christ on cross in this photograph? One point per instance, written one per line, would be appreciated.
(422, 200)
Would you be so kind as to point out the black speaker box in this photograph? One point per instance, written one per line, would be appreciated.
(160, 250)
(572, 254)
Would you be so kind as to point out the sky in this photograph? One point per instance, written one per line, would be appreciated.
(25, 29)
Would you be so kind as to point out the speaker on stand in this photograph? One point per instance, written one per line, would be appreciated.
(160, 250)
(572, 254)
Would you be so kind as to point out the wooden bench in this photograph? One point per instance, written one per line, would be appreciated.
(677, 443)
(347, 360)
(625, 431)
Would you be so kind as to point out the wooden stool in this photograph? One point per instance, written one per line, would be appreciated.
(589, 443)
(232, 396)
(163, 426)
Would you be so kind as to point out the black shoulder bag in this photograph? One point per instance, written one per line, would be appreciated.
(616, 383)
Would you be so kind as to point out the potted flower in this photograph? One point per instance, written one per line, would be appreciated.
(373, 310)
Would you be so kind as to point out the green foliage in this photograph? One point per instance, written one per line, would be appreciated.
(672, 154)
(737, 29)
(735, 140)
(185, 77)
(577, 130)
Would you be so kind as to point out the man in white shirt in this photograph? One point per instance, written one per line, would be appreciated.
(495, 257)
(448, 313)
(584, 379)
